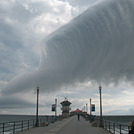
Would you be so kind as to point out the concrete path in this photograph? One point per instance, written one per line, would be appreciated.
(67, 126)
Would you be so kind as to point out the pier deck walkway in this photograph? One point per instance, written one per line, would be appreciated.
(67, 126)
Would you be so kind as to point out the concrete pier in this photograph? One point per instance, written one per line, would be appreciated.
(67, 126)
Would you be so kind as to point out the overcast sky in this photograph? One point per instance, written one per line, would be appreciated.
(28, 32)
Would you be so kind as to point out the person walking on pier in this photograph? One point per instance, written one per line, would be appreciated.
(132, 128)
(78, 117)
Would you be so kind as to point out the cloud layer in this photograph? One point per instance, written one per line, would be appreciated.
(96, 46)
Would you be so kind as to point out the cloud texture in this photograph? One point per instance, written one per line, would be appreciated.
(95, 46)
(23, 25)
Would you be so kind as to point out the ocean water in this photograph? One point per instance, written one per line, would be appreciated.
(11, 118)
(123, 119)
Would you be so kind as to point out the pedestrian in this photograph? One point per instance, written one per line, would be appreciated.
(78, 117)
(131, 131)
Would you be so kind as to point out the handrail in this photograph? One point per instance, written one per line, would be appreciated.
(16, 126)
(115, 127)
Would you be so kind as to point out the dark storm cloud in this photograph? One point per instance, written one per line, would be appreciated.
(14, 103)
(96, 46)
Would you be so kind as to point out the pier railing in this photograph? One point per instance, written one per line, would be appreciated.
(114, 127)
(17, 126)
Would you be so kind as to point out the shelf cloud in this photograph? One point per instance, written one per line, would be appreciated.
(95, 46)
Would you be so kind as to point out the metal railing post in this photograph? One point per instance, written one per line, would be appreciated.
(22, 126)
(114, 128)
(128, 128)
(3, 127)
(120, 128)
(28, 124)
(47, 119)
(33, 123)
(14, 128)
(109, 126)
(40, 122)
(106, 125)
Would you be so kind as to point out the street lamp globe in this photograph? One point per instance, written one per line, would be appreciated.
(38, 87)
(100, 87)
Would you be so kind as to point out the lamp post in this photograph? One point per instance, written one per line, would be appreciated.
(90, 108)
(37, 120)
(86, 108)
(55, 109)
(101, 124)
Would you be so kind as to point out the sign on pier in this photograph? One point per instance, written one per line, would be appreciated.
(53, 107)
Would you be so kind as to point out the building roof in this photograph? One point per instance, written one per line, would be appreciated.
(77, 110)
(65, 103)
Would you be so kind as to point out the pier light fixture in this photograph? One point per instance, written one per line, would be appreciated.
(101, 124)
(37, 119)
